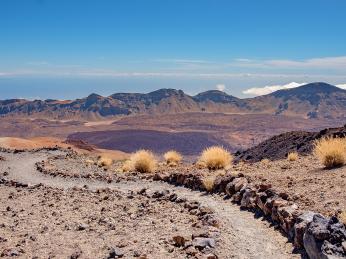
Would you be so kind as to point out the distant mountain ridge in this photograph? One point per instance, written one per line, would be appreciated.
(315, 100)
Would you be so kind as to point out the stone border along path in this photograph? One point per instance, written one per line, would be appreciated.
(242, 235)
(320, 237)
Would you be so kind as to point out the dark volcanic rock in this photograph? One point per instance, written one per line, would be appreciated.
(324, 238)
(279, 146)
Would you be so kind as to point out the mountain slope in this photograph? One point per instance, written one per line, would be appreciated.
(277, 147)
(315, 100)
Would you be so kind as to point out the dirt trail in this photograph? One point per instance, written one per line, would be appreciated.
(242, 235)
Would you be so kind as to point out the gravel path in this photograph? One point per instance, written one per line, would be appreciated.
(242, 235)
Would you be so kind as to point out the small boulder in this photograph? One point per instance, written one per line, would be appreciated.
(191, 205)
(235, 186)
(179, 241)
(249, 198)
(115, 252)
(82, 226)
(200, 243)
(302, 222)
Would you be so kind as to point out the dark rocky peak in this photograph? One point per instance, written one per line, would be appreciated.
(92, 99)
(164, 93)
(127, 97)
(215, 96)
(309, 89)
(13, 101)
(161, 94)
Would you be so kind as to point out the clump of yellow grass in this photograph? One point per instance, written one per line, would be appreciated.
(143, 161)
(215, 157)
(331, 151)
(172, 157)
(292, 156)
(104, 161)
(127, 166)
(209, 182)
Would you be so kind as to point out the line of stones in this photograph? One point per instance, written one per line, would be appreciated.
(321, 237)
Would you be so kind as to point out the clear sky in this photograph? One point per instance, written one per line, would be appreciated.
(70, 48)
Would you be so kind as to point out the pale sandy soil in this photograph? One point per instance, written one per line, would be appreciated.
(59, 221)
(306, 181)
(49, 142)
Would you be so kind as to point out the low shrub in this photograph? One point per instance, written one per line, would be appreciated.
(89, 162)
(216, 158)
(265, 162)
(172, 158)
(127, 166)
(342, 217)
(143, 161)
(331, 151)
(292, 156)
(104, 161)
(209, 182)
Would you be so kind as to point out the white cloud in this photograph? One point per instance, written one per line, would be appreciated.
(338, 63)
(221, 87)
(271, 88)
(342, 86)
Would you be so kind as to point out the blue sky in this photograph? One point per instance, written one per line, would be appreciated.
(70, 48)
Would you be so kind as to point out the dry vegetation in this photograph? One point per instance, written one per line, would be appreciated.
(342, 217)
(292, 156)
(104, 161)
(216, 158)
(208, 182)
(172, 158)
(143, 161)
(265, 163)
(127, 166)
(331, 151)
(89, 162)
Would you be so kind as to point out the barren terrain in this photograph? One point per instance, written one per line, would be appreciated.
(37, 220)
(235, 131)
(306, 181)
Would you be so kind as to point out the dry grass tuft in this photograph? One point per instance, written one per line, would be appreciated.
(331, 151)
(265, 162)
(342, 217)
(127, 166)
(209, 182)
(200, 165)
(143, 161)
(89, 162)
(216, 158)
(172, 158)
(104, 161)
(292, 156)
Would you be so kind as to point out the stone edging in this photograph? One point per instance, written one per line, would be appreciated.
(320, 237)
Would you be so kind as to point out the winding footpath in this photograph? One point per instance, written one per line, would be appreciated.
(242, 235)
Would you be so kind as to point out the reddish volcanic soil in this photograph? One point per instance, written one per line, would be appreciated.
(190, 131)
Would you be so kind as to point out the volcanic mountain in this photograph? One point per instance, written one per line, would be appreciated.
(315, 100)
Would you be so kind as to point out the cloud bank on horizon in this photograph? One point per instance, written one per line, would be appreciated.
(256, 91)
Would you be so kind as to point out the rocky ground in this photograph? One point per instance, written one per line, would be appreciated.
(47, 214)
(304, 181)
(47, 222)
